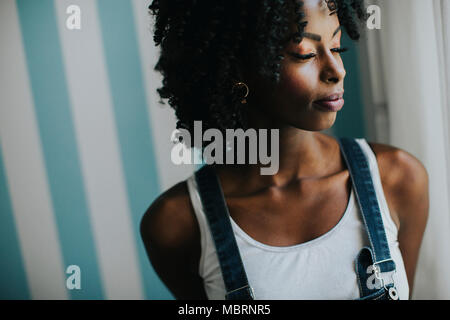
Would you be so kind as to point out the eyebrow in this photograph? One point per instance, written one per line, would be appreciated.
(317, 37)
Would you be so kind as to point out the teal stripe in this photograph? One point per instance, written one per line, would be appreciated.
(130, 108)
(53, 111)
(350, 121)
(13, 279)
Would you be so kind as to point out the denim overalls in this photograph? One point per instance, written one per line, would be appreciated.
(375, 259)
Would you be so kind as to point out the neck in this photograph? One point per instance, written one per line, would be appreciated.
(301, 154)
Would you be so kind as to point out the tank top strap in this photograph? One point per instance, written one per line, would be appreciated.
(217, 215)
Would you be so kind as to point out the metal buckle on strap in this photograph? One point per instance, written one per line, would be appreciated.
(385, 260)
(377, 272)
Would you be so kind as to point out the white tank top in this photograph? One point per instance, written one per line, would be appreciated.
(322, 268)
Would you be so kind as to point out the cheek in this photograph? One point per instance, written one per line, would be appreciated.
(299, 82)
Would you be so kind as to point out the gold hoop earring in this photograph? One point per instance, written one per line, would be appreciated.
(247, 90)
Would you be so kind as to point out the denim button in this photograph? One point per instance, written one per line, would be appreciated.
(393, 294)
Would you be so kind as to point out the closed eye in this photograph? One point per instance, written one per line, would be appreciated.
(339, 50)
(312, 55)
(303, 56)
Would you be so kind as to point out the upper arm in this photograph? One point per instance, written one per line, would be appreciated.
(412, 207)
(170, 234)
(405, 181)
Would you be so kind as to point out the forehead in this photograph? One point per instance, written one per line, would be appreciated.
(322, 5)
(317, 14)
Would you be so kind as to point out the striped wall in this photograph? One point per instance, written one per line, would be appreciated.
(84, 149)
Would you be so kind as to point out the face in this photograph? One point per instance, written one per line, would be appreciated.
(310, 72)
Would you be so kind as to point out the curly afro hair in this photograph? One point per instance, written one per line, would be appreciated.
(207, 44)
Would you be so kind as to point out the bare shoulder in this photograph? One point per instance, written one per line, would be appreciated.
(170, 220)
(404, 179)
(171, 237)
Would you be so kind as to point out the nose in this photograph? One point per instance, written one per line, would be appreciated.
(333, 70)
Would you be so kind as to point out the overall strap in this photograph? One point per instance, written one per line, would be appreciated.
(359, 169)
(217, 215)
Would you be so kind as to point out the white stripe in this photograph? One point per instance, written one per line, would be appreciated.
(99, 151)
(162, 117)
(24, 166)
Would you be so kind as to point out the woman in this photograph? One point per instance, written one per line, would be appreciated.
(277, 64)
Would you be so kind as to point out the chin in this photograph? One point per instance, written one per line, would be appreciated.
(317, 124)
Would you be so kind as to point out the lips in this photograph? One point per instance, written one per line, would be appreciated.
(332, 103)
